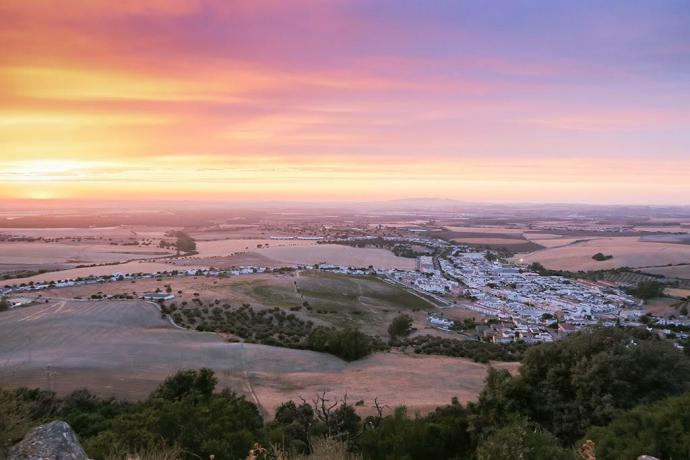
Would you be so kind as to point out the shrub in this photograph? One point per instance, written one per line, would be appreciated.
(400, 326)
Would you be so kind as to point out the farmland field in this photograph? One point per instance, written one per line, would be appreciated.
(366, 302)
(489, 241)
(557, 242)
(339, 300)
(339, 255)
(118, 233)
(37, 254)
(627, 252)
(102, 270)
(230, 246)
(676, 292)
(124, 348)
(676, 271)
(490, 230)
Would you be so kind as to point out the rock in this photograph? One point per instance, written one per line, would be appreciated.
(646, 457)
(52, 441)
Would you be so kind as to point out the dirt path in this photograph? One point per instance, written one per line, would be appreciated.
(248, 380)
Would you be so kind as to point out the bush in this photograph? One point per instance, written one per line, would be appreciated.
(476, 350)
(348, 344)
(277, 328)
(647, 290)
(522, 439)
(14, 421)
(659, 429)
(600, 257)
(400, 326)
(184, 412)
(588, 379)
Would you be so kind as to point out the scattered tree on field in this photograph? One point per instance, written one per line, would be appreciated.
(400, 326)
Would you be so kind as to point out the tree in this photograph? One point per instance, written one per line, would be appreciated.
(600, 257)
(400, 326)
(442, 434)
(183, 412)
(584, 380)
(348, 344)
(660, 429)
(198, 383)
(522, 439)
(4, 304)
(647, 289)
(292, 426)
(184, 242)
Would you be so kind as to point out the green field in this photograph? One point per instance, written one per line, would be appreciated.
(365, 301)
(333, 292)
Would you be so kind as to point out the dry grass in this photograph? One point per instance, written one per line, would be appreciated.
(322, 449)
(494, 230)
(677, 271)
(678, 293)
(489, 241)
(339, 255)
(14, 421)
(661, 306)
(329, 449)
(232, 246)
(73, 253)
(160, 453)
(627, 252)
(125, 349)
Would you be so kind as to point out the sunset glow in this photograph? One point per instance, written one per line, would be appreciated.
(301, 100)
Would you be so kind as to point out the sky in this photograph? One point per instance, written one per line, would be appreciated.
(490, 101)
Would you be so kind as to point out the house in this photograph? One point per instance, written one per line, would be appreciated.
(440, 322)
(158, 296)
(425, 264)
(566, 328)
(19, 301)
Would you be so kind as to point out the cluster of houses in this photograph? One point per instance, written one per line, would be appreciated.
(117, 276)
(531, 301)
(428, 283)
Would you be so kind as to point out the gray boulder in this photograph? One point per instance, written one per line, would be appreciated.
(52, 441)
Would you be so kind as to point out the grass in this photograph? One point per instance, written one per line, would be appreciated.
(332, 292)
(366, 302)
(351, 293)
(269, 293)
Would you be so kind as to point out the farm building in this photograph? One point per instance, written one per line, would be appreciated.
(156, 296)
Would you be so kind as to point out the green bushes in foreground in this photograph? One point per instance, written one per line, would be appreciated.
(661, 429)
